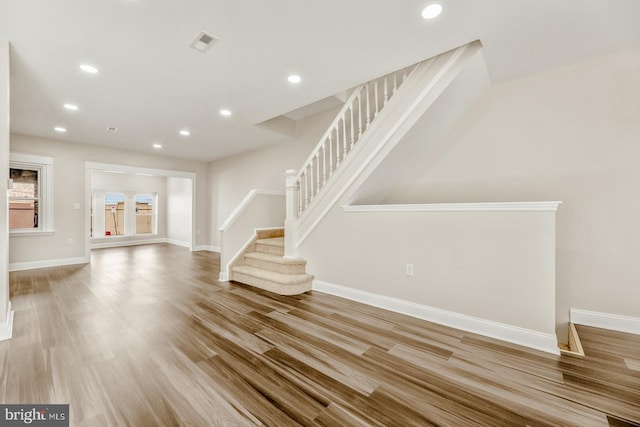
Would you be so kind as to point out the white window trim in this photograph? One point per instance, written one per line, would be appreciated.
(45, 165)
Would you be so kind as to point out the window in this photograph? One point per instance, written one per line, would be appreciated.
(114, 207)
(30, 195)
(123, 214)
(144, 214)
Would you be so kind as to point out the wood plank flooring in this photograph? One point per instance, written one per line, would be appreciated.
(147, 336)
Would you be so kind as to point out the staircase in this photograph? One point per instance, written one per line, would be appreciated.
(262, 264)
(374, 119)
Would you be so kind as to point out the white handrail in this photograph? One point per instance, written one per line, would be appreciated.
(244, 203)
(323, 161)
(333, 124)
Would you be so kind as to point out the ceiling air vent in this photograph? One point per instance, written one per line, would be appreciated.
(203, 42)
(112, 129)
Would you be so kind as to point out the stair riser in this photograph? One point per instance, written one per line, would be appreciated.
(268, 249)
(278, 268)
(271, 286)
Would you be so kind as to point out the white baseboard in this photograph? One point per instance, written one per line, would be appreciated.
(6, 326)
(120, 243)
(178, 243)
(502, 331)
(30, 265)
(614, 322)
(224, 276)
(206, 248)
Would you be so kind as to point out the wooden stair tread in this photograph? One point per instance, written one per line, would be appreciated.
(272, 275)
(274, 241)
(275, 258)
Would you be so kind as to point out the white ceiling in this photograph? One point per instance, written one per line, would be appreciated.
(151, 84)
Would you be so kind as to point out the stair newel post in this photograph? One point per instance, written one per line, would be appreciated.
(292, 209)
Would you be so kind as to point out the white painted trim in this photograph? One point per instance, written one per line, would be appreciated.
(137, 170)
(6, 326)
(119, 243)
(457, 207)
(29, 232)
(244, 203)
(615, 322)
(45, 165)
(30, 265)
(178, 243)
(206, 248)
(225, 269)
(502, 331)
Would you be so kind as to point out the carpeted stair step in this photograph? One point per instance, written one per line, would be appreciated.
(274, 246)
(279, 283)
(275, 263)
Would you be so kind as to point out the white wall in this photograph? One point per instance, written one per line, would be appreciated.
(570, 134)
(178, 216)
(494, 266)
(125, 182)
(4, 176)
(232, 178)
(69, 188)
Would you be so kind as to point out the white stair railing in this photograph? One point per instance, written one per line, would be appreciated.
(355, 117)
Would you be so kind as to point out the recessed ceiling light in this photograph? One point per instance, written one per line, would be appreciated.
(157, 146)
(185, 132)
(89, 68)
(225, 113)
(294, 79)
(71, 107)
(432, 11)
(59, 129)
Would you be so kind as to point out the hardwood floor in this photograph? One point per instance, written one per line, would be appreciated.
(146, 336)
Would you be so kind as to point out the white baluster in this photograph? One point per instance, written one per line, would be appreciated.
(300, 206)
(317, 174)
(375, 92)
(359, 117)
(352, 124)
(330, 155)
(404, 75)
(344, 136)
(368, 108)
(386, 91)
(306, 189)
(311, 187)
(395, 83)
(324, 165)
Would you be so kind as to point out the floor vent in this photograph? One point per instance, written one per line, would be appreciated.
(575, 347)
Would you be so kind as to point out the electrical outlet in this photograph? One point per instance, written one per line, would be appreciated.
(409, 270)
(76, 206)
(69, 241)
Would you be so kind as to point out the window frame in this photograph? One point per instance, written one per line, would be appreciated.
(44, 166)
(125, 208)
(154, 213)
